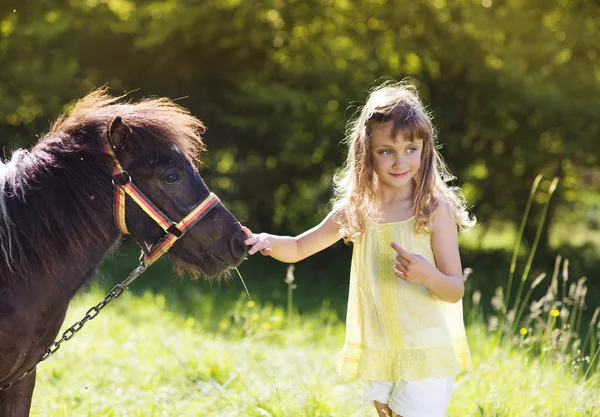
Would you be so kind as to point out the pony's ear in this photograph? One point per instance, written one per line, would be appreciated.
(120, 134)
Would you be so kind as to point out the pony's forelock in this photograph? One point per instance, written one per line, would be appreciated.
(159, 116)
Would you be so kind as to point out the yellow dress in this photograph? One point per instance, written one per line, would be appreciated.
(396, 330)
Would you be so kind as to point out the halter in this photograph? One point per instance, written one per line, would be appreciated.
(173, 231)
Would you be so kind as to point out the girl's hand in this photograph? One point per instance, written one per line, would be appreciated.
(413, 268)
(258, 242)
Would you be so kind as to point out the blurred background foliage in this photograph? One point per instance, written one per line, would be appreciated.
(514, 86)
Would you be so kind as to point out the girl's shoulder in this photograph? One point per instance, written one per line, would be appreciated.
(443, 206)
(443, 215)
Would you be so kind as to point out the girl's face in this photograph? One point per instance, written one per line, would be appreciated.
(395, 162)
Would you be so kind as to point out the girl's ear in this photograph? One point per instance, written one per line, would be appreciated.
(121, 135)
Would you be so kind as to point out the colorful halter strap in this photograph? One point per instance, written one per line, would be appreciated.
(173, 231)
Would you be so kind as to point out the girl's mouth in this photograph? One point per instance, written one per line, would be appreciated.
(399, 175)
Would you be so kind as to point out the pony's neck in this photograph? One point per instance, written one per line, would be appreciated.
(55, 209)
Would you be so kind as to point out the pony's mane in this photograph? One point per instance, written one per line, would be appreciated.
(56, 200)
(156, 117)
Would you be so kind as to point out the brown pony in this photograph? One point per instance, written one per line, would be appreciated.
(57, 222)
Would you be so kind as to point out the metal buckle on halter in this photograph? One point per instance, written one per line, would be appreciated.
(121, 179)
(174, 230)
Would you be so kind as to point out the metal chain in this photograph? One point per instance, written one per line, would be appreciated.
(89, 315)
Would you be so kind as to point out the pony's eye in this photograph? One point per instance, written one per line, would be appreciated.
(171, 178)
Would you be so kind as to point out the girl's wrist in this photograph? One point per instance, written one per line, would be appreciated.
(446, 287)
(432, 280)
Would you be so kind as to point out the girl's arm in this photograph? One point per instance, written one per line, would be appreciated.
(449, 284)
(293, 249)
(445, 281)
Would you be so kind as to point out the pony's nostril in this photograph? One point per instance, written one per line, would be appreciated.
(238, 248)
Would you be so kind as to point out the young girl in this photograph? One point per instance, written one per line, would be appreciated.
(405, 336)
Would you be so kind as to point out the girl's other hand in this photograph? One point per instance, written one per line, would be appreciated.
(258, 242)
(411, 267)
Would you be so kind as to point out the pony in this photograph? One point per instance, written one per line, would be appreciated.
(63, 207)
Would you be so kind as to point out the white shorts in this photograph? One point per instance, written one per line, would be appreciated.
(427, 397)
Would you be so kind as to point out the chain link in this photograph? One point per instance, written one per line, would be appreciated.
(68, 334)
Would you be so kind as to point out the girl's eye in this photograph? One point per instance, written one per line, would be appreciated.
(171, 178)
(412, 150)
(386, 152)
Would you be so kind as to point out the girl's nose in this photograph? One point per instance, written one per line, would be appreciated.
(397, 161)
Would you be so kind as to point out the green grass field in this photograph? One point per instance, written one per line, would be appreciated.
(181, 348)
(143, 357)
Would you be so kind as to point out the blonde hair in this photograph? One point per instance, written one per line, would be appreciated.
(355, 185)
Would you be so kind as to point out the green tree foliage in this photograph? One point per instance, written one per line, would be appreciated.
(513, 86)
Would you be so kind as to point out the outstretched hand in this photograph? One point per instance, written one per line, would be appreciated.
(258, 242)
(411, 267)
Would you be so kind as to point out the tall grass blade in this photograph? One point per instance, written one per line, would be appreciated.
(528, 295)
(242, 279)
(590, 337)
(289, 280)
(515, 255)
(532, 251)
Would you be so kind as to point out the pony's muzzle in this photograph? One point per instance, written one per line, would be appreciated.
(237, 247)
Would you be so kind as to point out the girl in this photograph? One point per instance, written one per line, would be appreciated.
(405, 336)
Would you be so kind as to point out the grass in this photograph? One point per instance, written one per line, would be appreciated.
(197, 352)
(141, 358)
